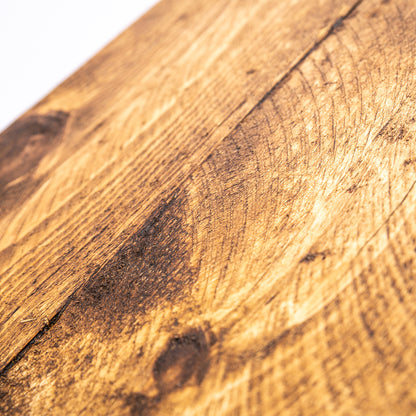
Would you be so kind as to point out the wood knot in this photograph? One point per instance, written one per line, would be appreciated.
(27, 141)
(185, 357)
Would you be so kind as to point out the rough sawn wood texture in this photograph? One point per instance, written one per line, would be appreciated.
(216, 215)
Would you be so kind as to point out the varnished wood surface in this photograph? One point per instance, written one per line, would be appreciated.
(215, 215)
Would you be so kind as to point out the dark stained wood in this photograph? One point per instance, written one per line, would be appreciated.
(216, 240)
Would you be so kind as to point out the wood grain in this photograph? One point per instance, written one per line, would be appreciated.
(220, 224)
(138, 118)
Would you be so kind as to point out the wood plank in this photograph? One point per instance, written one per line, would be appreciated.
(110, 144)
(278, 275)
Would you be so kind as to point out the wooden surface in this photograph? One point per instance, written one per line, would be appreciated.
(216, 215)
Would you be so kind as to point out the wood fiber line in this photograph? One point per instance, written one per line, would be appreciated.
(133, 124)
(278, 276)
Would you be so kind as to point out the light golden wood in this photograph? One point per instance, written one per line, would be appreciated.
(216, 216)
